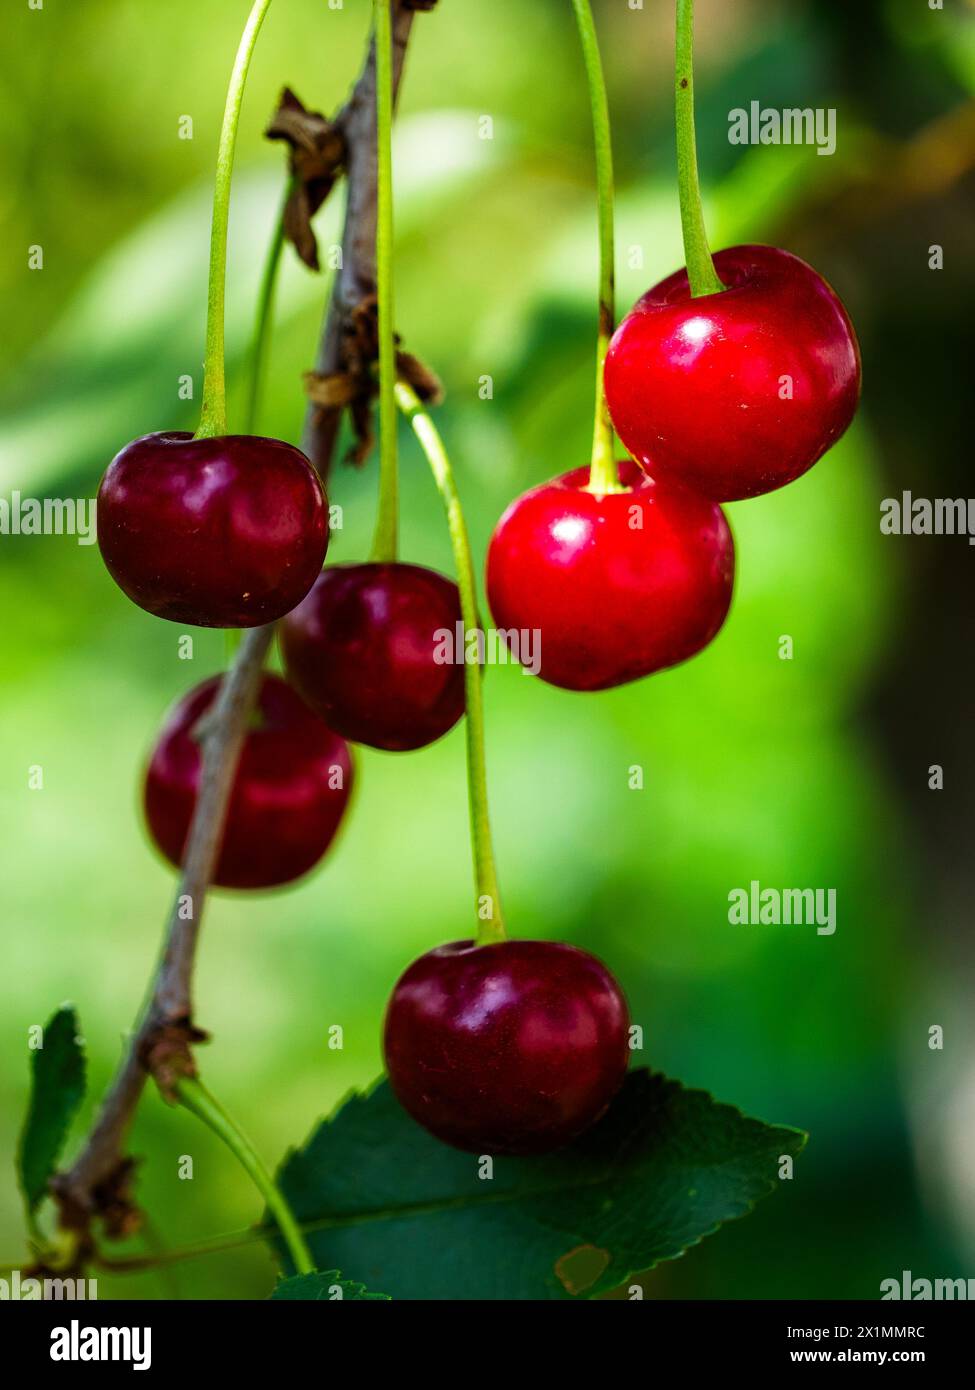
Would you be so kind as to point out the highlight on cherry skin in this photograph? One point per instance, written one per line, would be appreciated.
(288, 797)
(512, 1048)
(618, 585)
(737, 393)
(363, 649)
(219, 532)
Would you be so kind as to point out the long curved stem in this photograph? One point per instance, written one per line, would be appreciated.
(385, 540)
(701, 274)
(260, 348)
(488, 904)
(194, 1095)
(603, 473)
(213, 418)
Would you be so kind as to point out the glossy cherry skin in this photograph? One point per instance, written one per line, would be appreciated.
(291, 789)
(226, 532)
(615, 585)
(697, 388)
(362, 649)
(507, 1049)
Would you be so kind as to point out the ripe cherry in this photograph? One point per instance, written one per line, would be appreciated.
(616, 585)
(291, 788)
(223, 532)
(512, 1048)
(366, 650)
(737, 393)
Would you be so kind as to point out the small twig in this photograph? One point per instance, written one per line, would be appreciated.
(356, 281)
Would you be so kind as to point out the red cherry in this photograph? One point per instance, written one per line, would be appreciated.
(698, 388)
(226, 532)
(615, 585)
(364, 650)
(291, 788)
(508, 1049)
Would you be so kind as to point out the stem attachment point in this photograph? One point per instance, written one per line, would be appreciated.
(213, 416)
(701, 274)
(602, 474)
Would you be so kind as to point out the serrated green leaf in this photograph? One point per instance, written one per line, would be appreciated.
(322, 1288)
(666, 1166)
(57, 1090)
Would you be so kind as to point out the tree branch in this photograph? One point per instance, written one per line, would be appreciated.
(356, 280)
(161, 1044)
(96, 1183)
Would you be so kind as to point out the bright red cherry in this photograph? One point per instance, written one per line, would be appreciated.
(366, 649)
(735, 394)
(507, 1049)
(292, 786)
(615, 585)
(226, 532)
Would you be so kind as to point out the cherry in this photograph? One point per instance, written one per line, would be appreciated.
(222, 532)
(512, 1048)
(363, 651)
(616, 585)
(291, 788)
(737, 393)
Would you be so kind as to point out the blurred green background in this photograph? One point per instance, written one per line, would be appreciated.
(809, 772)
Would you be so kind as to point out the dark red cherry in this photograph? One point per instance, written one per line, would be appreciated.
(508, 1049)
(614, 585)
(367, 650)
(737, 393)
(226, 532)
(291, 788)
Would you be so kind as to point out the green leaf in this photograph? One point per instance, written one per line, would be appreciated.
(325, 1288)
(57, 1090)
(381, 1198)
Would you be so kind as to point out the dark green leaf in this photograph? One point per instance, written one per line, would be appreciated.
(664, 1168)
(324, 1288)
(57, 1089)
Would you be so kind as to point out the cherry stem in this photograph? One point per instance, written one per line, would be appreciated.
(196, 1098)
(213, 417)
(488, 898)
(701, 274)
(603, 473)
(261, 344)
(385, 539)
(260, 349)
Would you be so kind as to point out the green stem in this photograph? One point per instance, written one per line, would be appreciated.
(260, 349)
(488, 903)
(262, 325)
(385, 540)
(603, 473)
(213, 418)
(194, 1095)
(701, 273)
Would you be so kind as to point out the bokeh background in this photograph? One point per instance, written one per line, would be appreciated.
(809, 772)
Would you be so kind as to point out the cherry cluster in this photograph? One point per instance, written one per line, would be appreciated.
(722, 385)
(718, 397)
(232, 532)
